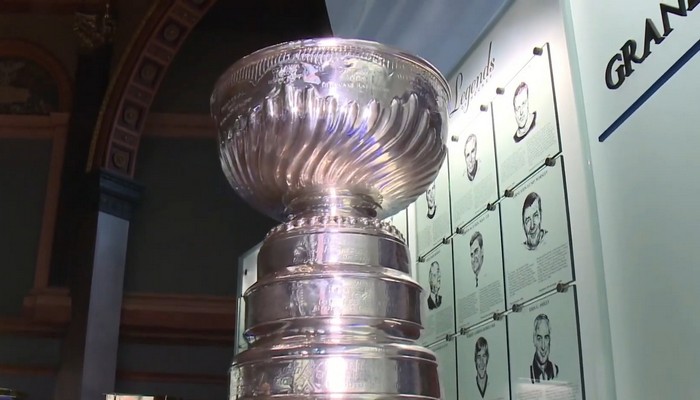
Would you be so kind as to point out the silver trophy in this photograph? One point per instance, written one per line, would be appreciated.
(331, 136)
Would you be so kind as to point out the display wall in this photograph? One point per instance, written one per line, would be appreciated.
(508, 252)
(643, 145)
(506, 242)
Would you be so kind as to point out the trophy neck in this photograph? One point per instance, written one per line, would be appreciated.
(332, 202)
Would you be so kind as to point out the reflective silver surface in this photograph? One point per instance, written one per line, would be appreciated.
(363, 243)
(331, 122)
(322, 370)
(350, 298)
(331, 136)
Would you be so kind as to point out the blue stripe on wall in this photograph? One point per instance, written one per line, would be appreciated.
(650, 92)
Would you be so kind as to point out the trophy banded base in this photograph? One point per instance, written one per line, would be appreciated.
(340, 370)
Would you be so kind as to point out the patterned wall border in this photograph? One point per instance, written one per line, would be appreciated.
(129, 98)
(24, 49)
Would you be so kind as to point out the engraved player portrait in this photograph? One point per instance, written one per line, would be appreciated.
(476, 253)
(521, 109)
(542, 368)
(434, 278)
(470, 157)
(481, 361)
(532, 221)
(432, 202)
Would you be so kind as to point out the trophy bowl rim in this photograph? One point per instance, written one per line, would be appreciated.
(248, 71)
(334, 42)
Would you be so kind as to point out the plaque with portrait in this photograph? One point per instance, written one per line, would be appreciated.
(447, 368)
(536, 236)
(479, 285)
(482, 363)
(433, 213)
(435, 275)
(525, 122)
(545, 357)
(472, 169)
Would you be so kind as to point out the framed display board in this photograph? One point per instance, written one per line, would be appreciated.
(482, 358)
(478, 255)
(525, 120)
(435, 273)
(472, 165)
(433, 221)
(522, 216)
(535, 226)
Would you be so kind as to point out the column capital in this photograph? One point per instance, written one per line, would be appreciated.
(118, 194)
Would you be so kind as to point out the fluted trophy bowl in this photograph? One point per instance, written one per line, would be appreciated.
(340, 124)
(331, 136)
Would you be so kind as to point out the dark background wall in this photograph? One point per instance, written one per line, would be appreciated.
(190, 227)
(187, 231)
(24, 166)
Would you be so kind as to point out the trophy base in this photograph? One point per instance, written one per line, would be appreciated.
(335, 368)
(334, 315)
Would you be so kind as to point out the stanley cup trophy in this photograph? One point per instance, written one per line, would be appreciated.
(331, 136)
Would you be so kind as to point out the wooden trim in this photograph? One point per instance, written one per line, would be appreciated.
(138, 77)
(48, 306)
(53, 189)
(180, 312)
(196, 126)
(23, 327)
(53, 127)
(200, 379)
(32, 126)
(146, 317)
(33, 370)
(24, 49)
(133, 376)
(178, 338)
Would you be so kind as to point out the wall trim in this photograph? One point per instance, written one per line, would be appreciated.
(123, 375)
(178, 126)
(136, 82)
(149, 317)
(53, 127)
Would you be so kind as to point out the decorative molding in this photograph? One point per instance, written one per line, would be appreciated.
(129, 98)
(180, 126)
(30, 51)
(118, 195)
(32, 126)
(53, 189)
(52, 127)
(148, 317)
(21, 326)
(33, 370)
(94, 29)
(164, 377)
(132, 376)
